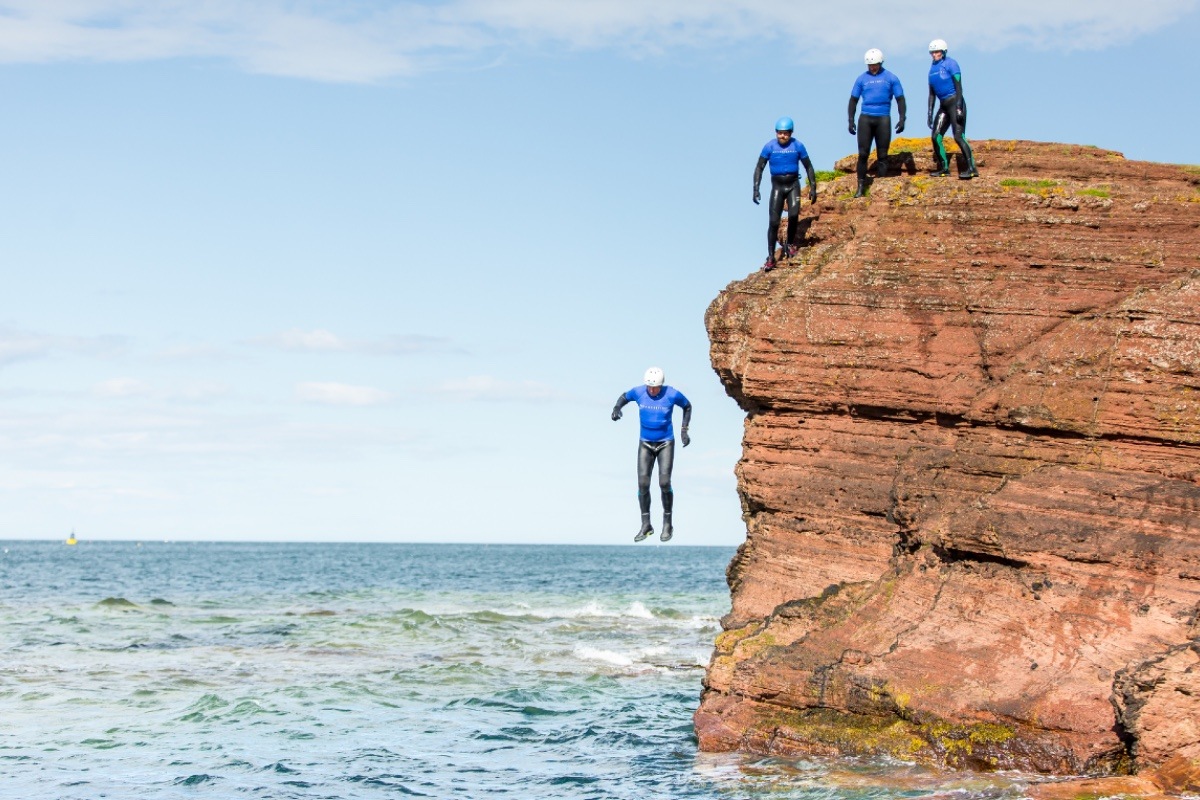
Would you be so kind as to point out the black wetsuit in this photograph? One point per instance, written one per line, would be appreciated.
(785, 188)
(877, 130)
(664, 454)
(948, 111)
(877, 91)
(657, 440)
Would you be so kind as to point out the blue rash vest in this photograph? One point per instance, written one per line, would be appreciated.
(655, 412)
(941, 77)
(877, 92)
(784, 161)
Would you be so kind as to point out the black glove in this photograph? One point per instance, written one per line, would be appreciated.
(616, 415)
(756, 196)
(929, 122)
(683, 434)
(812, 195)
(900, 126)
(853, 128)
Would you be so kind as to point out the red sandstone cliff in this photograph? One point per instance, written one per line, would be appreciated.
(971, 471)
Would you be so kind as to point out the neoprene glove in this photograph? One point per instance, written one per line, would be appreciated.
(616, 415)
(929, 122)
(683, 435)
(812, 195)
(853, 128)
(756, 196)
(900, 126)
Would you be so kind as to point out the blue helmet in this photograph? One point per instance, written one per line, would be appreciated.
(785, 124)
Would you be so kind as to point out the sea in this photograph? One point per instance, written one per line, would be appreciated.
(157, 670)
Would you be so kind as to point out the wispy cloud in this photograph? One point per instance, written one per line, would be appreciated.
(341, 394)
(104, 440)
(375, 40)
(24, 345)
(323, 341)
(121, 387)
(484, 388)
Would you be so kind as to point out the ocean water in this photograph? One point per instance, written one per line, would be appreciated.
(183, 670)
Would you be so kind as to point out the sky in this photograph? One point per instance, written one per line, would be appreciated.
(377, 270)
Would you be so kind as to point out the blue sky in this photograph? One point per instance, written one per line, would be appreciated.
(377, 271)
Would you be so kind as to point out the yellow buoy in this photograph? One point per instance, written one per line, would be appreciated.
(71, 538)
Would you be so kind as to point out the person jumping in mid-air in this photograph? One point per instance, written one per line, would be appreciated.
(945, 87)
(656, 404)
(785, 155)
(876, 87)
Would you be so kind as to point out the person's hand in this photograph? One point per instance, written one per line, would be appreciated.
(812, 195)
(929, 122)
(683, 434)
(900, 126)
(757, 197)
(616, 415)
(853, 128)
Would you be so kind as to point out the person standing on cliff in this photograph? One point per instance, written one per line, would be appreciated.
(877, 87)
(945, 92)
(785, 154)
(656, 404)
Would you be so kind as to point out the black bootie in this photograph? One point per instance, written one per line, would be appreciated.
(943, 167)
(647, 528)
(668, 498)
(862, 189)
(881, 169)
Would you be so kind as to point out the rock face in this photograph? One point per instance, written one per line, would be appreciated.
(971, 471)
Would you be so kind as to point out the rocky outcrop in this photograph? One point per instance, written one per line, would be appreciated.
(971, 471)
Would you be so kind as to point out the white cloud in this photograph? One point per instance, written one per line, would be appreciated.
(23, 345)
(323, 341)
(199, 392)
(374, 40)
(103, 441)
(488, 389)
(341, 394)
(120, 387)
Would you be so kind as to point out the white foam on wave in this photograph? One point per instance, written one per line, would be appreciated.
(640, 611)
(587, 653)
(635, 610)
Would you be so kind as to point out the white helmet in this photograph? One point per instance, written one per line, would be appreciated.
(873, 56)
(938, 44)
(654, 377)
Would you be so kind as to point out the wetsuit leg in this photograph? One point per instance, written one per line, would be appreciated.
(864, 145)
(666, 460)
(950, 111)
(645, 464)
(948, 119)
(781, 186)
(776, 213)
(793, 204)
(883, 140)
(940, 123)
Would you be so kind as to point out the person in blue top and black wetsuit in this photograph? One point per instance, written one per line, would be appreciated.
(656, 404)
(785, 154)
(947, 109)
(876, 87)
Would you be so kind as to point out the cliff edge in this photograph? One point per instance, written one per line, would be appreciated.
(971, 471)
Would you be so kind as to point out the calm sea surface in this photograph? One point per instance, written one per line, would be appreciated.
(183, 670)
